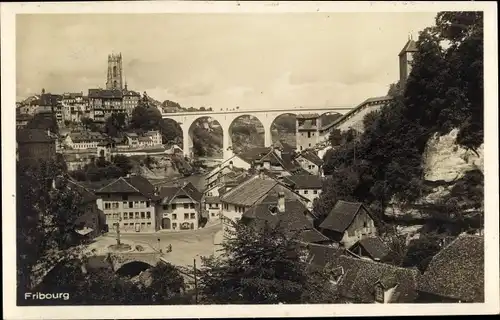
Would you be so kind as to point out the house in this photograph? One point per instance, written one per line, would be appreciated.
(348, 222)
(105, 102)
(221, 174)
(82, 140)
(371, 247)
(76, 161)
(456, 273)
(35, 144)
(155, 136)
(308, 130)
(213, 206)
(251, 192)
(130, 203)
(132, 139)
(366, 281)
(292, 215)
(307, 185)
(180, 207)
(92, 223)
(309, 161)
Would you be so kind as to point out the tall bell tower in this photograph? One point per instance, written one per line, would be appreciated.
(115, 72)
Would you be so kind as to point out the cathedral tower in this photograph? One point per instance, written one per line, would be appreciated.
(115, 71)
(405, 60)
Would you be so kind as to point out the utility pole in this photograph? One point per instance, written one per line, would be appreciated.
(195, 283)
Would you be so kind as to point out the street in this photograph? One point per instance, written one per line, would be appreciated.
(186, 245)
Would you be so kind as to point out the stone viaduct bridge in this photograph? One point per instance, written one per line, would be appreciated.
(226, 119)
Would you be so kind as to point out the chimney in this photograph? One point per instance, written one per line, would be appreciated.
(281, 202)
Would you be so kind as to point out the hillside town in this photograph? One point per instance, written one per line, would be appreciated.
(115, 177)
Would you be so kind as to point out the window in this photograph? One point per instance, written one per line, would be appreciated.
(107, 205)
(186, 205)
(213, 214)
(124, 204)
(165, 207)
(137, 215)
(300, 148)
(124, 197)
(193, 215)
(143, 215)
(131, 215)
(149, 224)
(309, 144)
(174, 225)
(174, 216)
(191, 205)
(306, 191)
(136, 204)
(148, 215)
(308, 134)
(125, 224)
(115, 205)
(186, 216)
(315, 191)
(143, 204)
(174, 206)
(147, 204)
(125, 216)
(130, 204)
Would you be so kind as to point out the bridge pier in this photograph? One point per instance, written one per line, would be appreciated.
(268, 139)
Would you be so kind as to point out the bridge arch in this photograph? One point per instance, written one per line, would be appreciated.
(133, 268)
(282, 124)
(246, 127)
(215, 132)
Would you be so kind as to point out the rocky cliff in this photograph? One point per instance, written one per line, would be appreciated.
(453, 181)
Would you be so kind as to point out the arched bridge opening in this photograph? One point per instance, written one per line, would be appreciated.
(171, 132)
(246, 131)
(205, 136)
(284, 129)
(132, 268)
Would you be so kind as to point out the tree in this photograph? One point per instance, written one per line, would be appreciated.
(260, 265)
(444, 91)
(123, 163)
(420, 251)
(167, 282)
(45, 216)
(115, 124)
(145, 116)
(89, 124)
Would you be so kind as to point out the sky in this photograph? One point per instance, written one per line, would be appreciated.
(252, 61)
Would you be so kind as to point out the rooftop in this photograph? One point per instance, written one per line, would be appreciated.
(410, 46)
(374, 246)
(341, 216)
(311, 156)
(167, 194)
(457, 271)
(304, 181)
(131, 184)
(33, 136)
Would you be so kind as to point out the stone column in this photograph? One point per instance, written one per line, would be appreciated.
(187, 141)
(268, 139)
(227, 143)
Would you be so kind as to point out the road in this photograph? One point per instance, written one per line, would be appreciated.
(186, 245)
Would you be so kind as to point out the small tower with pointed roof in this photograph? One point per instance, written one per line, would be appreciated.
(405, 60)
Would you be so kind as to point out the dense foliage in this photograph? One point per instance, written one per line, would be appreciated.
(101, 169)
(444, 91)
(45, 216)
(261, 265)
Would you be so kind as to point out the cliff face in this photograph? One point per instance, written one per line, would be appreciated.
(446, 161)
(453, 176)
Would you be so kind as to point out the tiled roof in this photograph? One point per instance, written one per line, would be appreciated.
(167, 194)
(293, 218)
(254, 154)
(361, 275)
(312, 236)
(321, 255)
(313, 157)
(374, 246)
(86, 136)
(86, 194)
(145, 139)
(304, 181)
(410, 46)
(131, 134)
(341, 216)
(132, 184)
(33, 136)
(101, 93)
(285, 147)
(457, 271)
(307, 125)
(249, 192)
